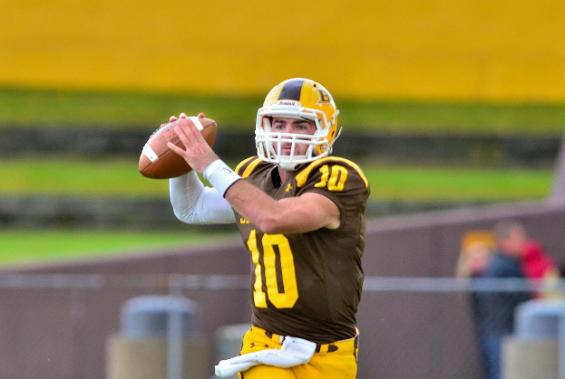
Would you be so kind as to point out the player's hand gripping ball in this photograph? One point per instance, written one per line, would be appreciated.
(157, 161)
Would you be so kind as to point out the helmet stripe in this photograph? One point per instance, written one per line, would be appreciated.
(291, 90)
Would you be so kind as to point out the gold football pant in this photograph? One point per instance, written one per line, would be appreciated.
(336, 360)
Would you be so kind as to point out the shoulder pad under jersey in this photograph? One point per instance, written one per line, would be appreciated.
(246, 166)
(304, 174)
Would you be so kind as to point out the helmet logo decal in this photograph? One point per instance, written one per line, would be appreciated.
(324, 96)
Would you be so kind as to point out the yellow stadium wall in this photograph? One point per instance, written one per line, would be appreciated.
(409, 49)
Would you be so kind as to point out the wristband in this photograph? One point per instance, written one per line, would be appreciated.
(220, 176)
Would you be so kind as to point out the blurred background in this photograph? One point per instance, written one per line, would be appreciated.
(444, 104)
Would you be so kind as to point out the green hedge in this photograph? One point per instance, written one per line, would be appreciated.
(136, 109)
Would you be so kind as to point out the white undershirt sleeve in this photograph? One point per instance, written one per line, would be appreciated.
(193, 203)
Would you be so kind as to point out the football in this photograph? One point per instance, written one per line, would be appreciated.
(157, 161)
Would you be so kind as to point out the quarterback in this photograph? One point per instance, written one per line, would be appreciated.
(300, 212)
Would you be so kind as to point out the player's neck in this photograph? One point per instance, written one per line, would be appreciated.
(283, 174)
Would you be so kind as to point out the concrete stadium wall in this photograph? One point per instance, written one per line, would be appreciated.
(471, 50)
(56, 333)
(404, 335)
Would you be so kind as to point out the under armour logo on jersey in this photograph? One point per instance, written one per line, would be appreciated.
(243, 220)
(288, 187)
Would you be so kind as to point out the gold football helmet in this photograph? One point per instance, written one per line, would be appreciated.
(302, 99)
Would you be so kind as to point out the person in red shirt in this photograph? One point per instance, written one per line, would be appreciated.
(535, 262)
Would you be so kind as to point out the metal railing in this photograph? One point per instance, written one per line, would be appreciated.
(175, 282)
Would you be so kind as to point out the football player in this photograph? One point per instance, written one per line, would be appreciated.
(300, 212)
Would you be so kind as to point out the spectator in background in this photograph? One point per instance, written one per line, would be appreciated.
(536, 264)
(506, 252)
(477, 249)
(496, 309)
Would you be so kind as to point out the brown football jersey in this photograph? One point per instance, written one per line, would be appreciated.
(308, 285)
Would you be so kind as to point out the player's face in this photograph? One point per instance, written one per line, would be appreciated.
(479, 254)
(515, 242)
(294, 126)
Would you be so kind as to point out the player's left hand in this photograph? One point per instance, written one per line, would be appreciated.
(197, 153)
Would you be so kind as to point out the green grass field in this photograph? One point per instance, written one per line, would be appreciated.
(108, 109)
(119, 178)
(388, 182)
(19, 246)
(86, 179)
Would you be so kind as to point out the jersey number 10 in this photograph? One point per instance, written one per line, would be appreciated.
(289, 294)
